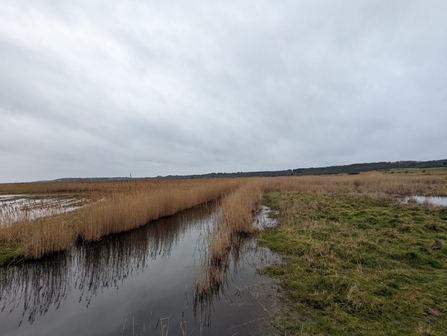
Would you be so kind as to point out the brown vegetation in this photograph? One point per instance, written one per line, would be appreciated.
(373, 183)
(124, 205)
(115, 207)
(236, 220)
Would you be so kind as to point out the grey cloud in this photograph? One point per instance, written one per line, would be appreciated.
(154, 88)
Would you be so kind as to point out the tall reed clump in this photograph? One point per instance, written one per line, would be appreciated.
(237, 217)
(238, 210)
(127, 211)
(119, 207)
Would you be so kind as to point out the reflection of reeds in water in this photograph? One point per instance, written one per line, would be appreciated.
(227, 285)
(35, 286)
(236, 221)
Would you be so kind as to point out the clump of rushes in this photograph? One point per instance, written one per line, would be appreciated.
(237, 218)
(238, 209)
(357, 265)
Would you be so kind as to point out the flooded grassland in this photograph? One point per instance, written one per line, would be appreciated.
(17, 208)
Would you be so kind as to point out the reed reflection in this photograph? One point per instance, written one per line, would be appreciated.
(227, 279)
(222, 275)
(34, 287)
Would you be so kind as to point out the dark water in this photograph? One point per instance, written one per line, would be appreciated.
(140, 283)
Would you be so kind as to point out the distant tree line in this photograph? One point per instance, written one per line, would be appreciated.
(355, 168)
(364, 167)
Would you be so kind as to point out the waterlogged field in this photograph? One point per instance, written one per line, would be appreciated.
(17, 208)
(360, 254)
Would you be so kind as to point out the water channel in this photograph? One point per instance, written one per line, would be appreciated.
(140, 283)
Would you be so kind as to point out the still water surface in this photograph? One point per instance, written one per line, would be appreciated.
(139, 283)
(433, 200)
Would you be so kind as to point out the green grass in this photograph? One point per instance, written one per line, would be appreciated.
(355, 265)
(8, 253)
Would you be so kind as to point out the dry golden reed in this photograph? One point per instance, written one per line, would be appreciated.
(115, 207)
(237, 216)
(238, 209)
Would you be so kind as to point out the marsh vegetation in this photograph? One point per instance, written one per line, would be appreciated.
(355, 257)
(356, 260)
(109, 207)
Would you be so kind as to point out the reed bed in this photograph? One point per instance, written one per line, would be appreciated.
(237, 217)
(101, 187)
(238, 209)
(117, 206)
(113, 208)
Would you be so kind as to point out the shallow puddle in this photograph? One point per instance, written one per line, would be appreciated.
(433, 200)
(16, 208)
(140, 283)
(263, 219)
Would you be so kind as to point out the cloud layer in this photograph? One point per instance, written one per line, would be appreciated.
(156, 88)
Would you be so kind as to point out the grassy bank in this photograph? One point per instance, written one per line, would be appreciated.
(359, 265)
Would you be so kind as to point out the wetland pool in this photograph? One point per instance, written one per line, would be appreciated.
(433, 200)
(16, 208)
(141, 282)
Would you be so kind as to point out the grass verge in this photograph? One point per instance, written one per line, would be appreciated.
(356, 265)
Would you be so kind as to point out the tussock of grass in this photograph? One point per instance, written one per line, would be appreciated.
(355, 265)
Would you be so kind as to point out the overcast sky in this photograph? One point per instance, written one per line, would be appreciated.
(112, 88)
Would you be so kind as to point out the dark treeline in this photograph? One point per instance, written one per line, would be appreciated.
(347, 169)
(364, 167)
